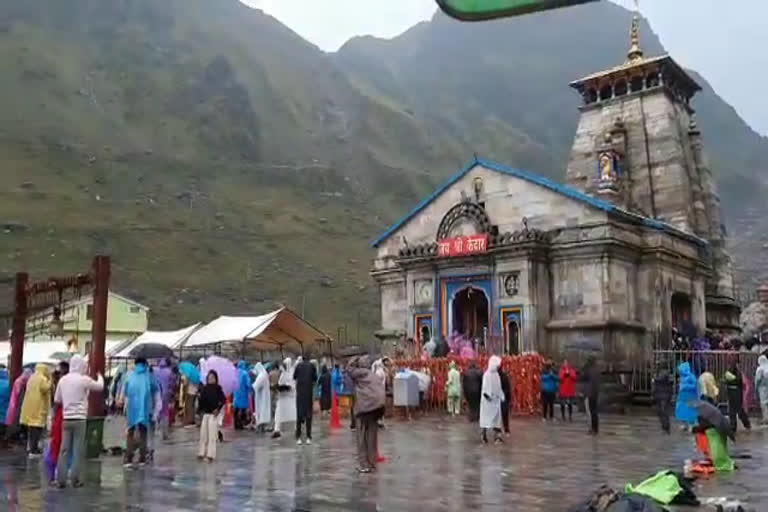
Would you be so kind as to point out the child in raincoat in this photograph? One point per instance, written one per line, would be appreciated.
(687, 393)
(761, 386)
(453, 389)
(34, 409)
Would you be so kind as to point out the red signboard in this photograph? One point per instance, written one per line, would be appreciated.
(462, 246)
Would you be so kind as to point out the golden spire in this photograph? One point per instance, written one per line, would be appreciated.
(635, 53)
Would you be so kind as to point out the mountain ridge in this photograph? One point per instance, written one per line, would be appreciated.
(229, 166)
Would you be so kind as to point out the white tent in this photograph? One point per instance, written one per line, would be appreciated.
(280, 329)
(43, 351)
(171, 339)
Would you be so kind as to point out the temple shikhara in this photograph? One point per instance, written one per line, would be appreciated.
(632, 245)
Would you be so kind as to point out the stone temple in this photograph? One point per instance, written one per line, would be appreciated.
(632, 245)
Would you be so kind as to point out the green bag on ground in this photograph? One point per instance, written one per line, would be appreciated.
(661, 487)
(718, 450)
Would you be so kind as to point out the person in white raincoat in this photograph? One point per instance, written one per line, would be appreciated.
(490, 403)
(285, 412)
(761, 386)
(262, 404)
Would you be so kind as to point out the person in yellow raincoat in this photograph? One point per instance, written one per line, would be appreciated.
(34, 409)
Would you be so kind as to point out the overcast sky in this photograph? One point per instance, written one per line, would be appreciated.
(724, 40)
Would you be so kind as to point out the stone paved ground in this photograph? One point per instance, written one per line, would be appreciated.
(433, 464)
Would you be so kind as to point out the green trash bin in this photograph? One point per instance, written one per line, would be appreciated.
(94, 437)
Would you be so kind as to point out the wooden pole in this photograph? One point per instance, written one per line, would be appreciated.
(101, 274)
(19, 326)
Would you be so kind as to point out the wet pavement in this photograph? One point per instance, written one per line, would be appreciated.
(433, 464)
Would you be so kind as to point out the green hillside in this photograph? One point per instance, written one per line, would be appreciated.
(228, 165)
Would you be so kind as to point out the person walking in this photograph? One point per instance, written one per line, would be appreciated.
(453, 389)
(167, 382)
(325, 390)
(506, 388)
(305, 376)
(734, 384)
(241, 395)
(662, 389)
(490, 406)
(72, 395)
(34, 408)
(138, 391)
(285, 411)
(370, 400)
(591, 377)
(13, 414)
(262, 403)
(548, 391)
(210, 403)
(761, 386)
(472, 385)
(566, 388)
(687, 392)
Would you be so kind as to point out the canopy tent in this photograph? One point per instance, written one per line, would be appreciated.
(171, 339)
(46, 352)
(279, 330)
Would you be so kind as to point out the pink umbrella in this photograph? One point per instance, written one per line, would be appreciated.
(228, 376)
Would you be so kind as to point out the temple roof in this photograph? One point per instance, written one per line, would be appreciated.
(558, 188)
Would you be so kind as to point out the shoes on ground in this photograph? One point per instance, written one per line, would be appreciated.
(298, 442)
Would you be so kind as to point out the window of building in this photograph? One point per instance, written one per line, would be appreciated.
(89, 312)
(135, 309)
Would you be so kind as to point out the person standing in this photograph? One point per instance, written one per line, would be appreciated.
(189, 393)
(687, 392)
(506, 388)
(490, 406)
(473, 382)
(138, 391)
(285, 411)
(34, 408)
(566, 379)
(210, 403)
(325, 390)
(453, 389)
(591, 377)
(167, 383)
(305, 376)
(241, 395)
(662, 389)
(761, 386)
(708, 388)
(5, 397)
(13, 414)
(370, 399)
(734, 384)
(72, 395)
(262, 403)
(548, 391)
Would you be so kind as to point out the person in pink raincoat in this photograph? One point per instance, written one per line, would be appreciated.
(14, 405)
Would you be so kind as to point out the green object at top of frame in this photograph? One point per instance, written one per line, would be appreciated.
(478, 10)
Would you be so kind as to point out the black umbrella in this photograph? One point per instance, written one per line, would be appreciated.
(151, 351)
(710, 416)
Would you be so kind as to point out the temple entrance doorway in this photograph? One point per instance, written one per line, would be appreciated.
(471, 313)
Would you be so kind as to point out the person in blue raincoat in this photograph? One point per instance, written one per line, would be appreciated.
(5, 397)
(687, 392)
(242, 393)
(138, 392)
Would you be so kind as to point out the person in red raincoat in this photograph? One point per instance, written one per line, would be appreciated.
(566, 378)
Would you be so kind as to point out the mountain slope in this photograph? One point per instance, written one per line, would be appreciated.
(227, 164)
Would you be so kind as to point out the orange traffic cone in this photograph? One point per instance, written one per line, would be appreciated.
(335, 423)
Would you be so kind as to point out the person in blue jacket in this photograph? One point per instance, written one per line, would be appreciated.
(548, 390)
(138, 391)
(5, 397)
(686, 394)
(242, 393)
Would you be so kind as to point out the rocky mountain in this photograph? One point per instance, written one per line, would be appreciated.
(228, 165)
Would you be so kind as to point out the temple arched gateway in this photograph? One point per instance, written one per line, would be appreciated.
(631, 246)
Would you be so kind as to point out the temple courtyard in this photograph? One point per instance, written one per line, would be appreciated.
(432, 463)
